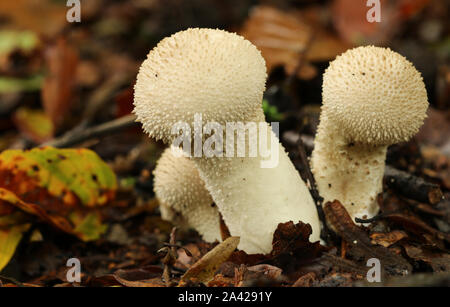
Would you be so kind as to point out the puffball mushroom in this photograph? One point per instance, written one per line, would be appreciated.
(183, 197)
(221, 76)
(372, 97)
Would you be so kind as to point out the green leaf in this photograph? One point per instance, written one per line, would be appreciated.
(271, 112)
(89, 227)
(37, 125)
(15, 85)
(22, 40)
(63, 187)
(61, 172)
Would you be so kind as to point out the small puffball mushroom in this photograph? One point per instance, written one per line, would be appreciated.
(183, 197)
(221, 76)
(372, 97)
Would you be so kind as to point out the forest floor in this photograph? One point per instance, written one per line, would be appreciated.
(70, 85)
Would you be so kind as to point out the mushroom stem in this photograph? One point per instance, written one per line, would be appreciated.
(254, 200)
(352, 174)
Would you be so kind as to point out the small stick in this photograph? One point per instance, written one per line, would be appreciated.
(169, 258)
(326, 233)
(11, 280)
(75, 137)
(412, 187)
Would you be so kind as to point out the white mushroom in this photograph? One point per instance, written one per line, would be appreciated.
(222, 76)
(183, 197)
(372, 98)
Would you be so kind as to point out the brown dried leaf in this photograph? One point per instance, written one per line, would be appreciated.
(293, 239)
(305, 280)
(415, 225)
(281, 37)
(350, 21)
(360, 246)
(387, 239)
(44, 16)
(144, 277)
(203, 270)
(439, 262)
(241, 257)
(221, 281)
(62, 61)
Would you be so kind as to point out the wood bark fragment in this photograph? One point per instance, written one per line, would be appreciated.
(411, 186)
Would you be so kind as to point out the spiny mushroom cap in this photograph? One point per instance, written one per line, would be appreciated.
(213, 72)
(375, 95)
(177, 182)
(183, 196)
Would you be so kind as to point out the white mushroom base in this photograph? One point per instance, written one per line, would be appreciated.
(350, 173)
(254, 200)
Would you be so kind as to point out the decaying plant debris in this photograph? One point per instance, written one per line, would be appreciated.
(71, 86)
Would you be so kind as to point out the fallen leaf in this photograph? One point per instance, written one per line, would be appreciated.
(221, 281)
(63, 187)
(293, 239)
(17, 85)
(203, 270)
(19, 53)
(305, 280)
(409, 8)
(12, 228)
(62, 62)
(415, 225)
(71, 175)
(149, 276)
(282, 39)
(360, 245)
(387, 239)
(439, 262)
(35, 124)
(44, 16)
(23, 40)
(350, 21)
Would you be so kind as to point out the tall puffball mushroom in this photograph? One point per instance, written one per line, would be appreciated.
(372, 97)
(221, 76)
(183, 197)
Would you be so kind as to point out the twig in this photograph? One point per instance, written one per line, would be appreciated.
(375, 218)
(301, 59)
(318, 200)
(75, 137)
(412, 187)
(101, 97)
(11, 280)
(170, 258)
(179, 246)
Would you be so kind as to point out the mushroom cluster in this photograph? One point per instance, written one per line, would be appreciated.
(221, 76)
(372, 97)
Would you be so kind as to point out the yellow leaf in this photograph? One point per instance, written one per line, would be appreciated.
(10, 236)
(204, 269)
